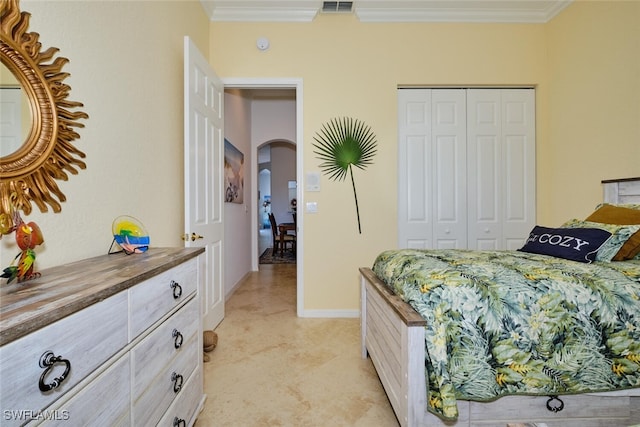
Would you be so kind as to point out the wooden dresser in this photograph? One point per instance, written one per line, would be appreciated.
(114, 340)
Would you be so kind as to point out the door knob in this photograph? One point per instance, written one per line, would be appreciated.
(193, 237)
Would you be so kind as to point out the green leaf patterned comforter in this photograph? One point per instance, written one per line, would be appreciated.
(509, 322)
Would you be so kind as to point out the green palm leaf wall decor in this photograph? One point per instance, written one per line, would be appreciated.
(341, 144)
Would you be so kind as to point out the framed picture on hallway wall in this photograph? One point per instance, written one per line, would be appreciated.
(233, 173)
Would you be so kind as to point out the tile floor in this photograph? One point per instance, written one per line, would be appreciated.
(272, 368)
(265, 240)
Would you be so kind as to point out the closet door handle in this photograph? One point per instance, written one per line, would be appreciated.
(179, 422)
(177, 382)
(177, 289)
(177, 339)
(48, 360)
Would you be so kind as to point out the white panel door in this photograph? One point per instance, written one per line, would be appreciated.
(466, 169)
(518, 164)
(203, 157)
(501, 186)
(485, 176)
(449, 168)
(415, 186)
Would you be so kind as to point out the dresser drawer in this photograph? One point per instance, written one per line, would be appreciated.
(105, 402)
(149, 407)
(82, 341)
(153, 354)
(182, 411)
(534, 408)
(155, 297)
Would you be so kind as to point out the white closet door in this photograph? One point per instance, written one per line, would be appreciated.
(519, 162)
(415, 186)
(501, 185)
(432, 168)
(485, 181)
(466, 168)
(449, 168)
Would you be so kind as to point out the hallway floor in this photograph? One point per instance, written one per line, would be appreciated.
(265, 240)
(271, 368)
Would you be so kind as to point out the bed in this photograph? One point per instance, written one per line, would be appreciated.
(485, 370)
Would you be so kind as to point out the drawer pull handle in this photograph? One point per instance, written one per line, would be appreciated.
(179, 422)
(177, 289)
(177, 339)
(48, 360)
(177, 382)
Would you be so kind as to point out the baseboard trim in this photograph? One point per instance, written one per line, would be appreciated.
(236, 286)
(331, 313)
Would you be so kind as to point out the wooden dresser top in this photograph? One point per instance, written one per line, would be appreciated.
(65, 289)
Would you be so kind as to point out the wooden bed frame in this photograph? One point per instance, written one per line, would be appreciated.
(392, 335)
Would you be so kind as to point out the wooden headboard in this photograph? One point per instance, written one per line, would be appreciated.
(625, 190)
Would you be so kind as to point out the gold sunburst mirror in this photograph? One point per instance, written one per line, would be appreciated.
(45, 154)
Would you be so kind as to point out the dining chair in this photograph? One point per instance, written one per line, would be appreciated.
(295, 225)
(280, 239)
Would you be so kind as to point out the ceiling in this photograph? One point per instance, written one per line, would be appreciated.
(515, 11)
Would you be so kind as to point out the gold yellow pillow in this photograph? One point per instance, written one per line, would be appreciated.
(611, 214)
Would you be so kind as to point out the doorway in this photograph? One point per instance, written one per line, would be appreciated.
(277, 194)
(276, 85)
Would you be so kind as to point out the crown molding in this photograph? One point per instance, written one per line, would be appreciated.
(264, 15)
(262, 11)
(496, 11)
(534, 12)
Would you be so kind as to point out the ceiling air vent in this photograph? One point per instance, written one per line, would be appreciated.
(337, 7)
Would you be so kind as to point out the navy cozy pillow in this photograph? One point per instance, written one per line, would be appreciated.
(577, 244)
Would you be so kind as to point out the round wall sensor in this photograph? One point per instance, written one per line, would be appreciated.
(263, 43)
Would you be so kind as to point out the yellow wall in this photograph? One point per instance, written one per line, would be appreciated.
(353, 69)
(126, 65)
(594, 105)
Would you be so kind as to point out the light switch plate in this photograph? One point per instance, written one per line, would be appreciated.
(312, 207)
(312, 181)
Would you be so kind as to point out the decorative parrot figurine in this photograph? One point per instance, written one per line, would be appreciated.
(28, 236)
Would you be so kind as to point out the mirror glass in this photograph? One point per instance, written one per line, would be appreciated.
(15, 114)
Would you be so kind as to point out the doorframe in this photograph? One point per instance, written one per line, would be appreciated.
(278, 83)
